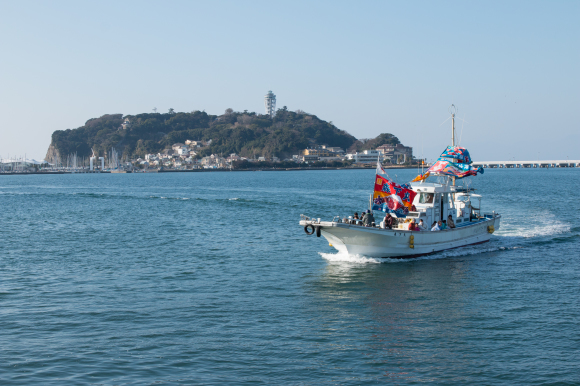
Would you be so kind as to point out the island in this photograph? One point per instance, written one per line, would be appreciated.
(233, 140)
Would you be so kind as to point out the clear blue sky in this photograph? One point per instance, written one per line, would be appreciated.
(511, 67)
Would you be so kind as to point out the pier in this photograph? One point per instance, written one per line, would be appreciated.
(529, 164)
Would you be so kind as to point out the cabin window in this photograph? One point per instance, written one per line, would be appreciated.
(426, 198)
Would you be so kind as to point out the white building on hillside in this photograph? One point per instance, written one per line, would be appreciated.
(336, 150)
(233, 157)
(176, 146)
(366, 157)
(184, 150)
(213, 162)
(396, 153)
(126, 123)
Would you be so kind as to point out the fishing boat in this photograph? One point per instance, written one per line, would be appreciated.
(408, 204)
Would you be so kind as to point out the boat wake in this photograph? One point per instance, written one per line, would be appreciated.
(549, 227)
(342, 257)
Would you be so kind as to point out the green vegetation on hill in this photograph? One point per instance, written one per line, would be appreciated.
(97, 132)
(382, 139)
(243, 133)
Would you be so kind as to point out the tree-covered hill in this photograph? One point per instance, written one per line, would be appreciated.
(244, 133)
(382, 139)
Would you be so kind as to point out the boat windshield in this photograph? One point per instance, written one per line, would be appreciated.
(426, 198)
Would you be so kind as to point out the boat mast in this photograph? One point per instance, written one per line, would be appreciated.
(452, 129)
(452, 110)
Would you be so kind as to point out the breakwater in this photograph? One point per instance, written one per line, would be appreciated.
(529, 164)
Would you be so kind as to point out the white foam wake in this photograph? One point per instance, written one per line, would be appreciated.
(548, 227)
(531, 227)
(342, 257)
(469, 250)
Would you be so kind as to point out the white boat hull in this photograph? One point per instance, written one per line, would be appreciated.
(397, 243)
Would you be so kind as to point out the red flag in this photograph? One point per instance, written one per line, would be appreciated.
(385, 188)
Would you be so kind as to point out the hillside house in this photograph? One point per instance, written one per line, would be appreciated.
(126, 124)
(396, 153)
(213, 162)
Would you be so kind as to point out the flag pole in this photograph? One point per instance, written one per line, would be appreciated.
(377, 172)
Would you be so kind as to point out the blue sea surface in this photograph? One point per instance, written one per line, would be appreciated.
(207, 278)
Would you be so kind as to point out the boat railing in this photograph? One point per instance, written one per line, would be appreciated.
(312, 220)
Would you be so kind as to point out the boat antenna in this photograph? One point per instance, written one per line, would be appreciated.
(453, 111)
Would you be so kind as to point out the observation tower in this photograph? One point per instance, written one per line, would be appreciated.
(270, 103)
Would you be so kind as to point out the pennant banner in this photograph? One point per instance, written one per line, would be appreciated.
(380, 169)
(454, 161)
(391, 197)
(460, 154)
(457, 170)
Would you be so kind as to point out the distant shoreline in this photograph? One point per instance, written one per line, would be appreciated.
(208, 170)
(233, 170)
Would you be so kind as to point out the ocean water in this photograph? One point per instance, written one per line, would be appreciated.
(206, 278)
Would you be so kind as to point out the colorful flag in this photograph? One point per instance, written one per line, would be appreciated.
(458, 170)
(380, 169)
(391, 197)
(454, 161)
(459, 154)
(421, 177)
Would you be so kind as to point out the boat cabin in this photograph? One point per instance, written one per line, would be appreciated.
(435, 202)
